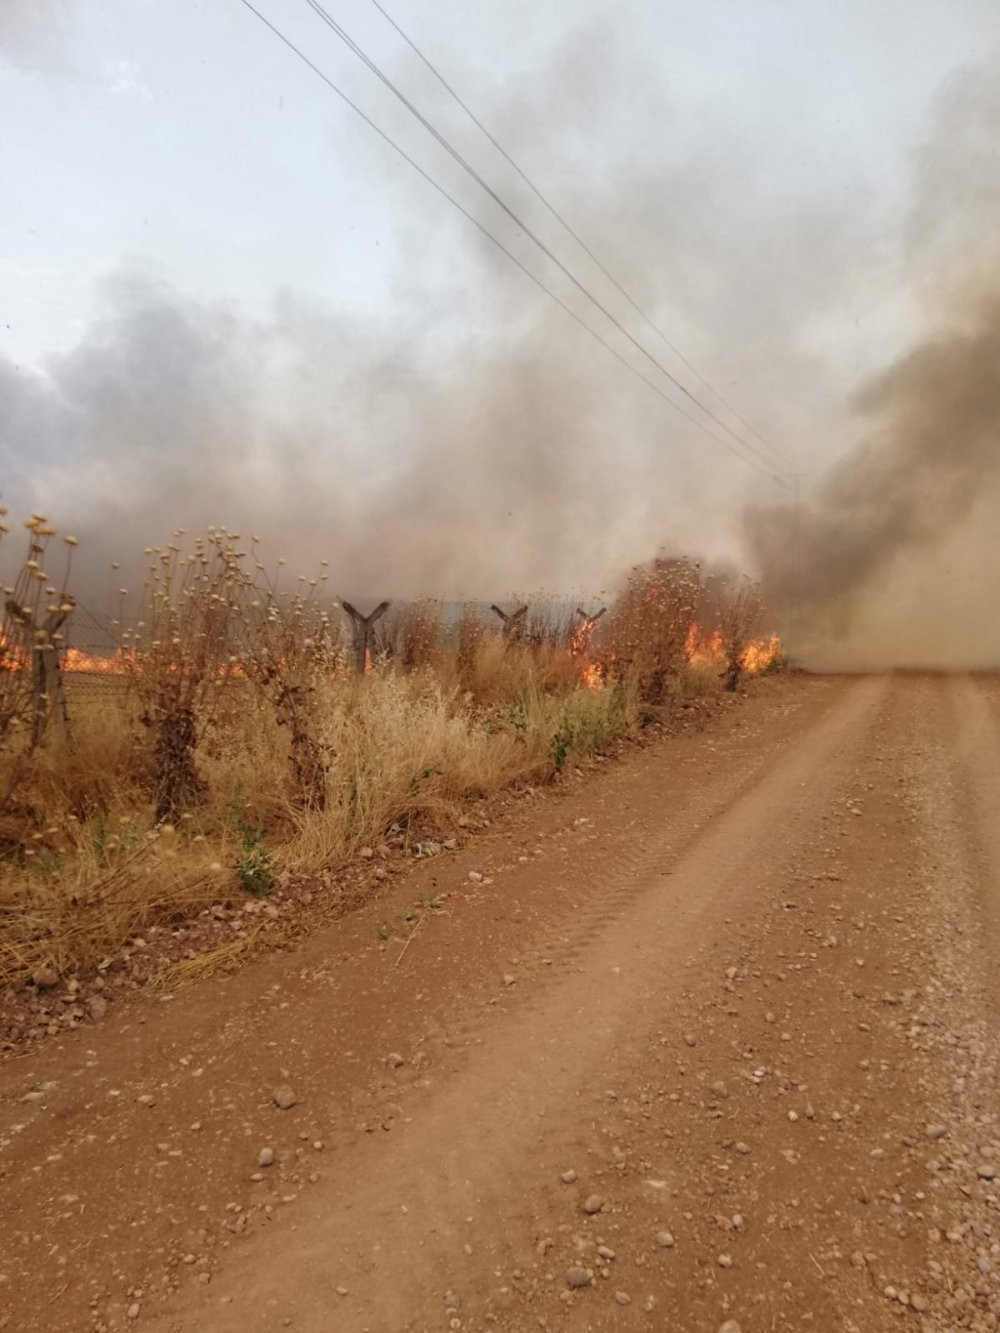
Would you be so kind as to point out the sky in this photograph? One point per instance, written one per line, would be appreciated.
(224, 299)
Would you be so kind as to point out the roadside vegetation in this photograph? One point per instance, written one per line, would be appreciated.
(234, 733)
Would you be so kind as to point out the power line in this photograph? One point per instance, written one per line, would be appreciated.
(300, 54)
(353, 46)
(779, 458)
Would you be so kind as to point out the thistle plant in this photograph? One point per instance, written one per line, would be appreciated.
(179, 656)
(35, 608)
(739, 619)
(290, 646)
(649, 624)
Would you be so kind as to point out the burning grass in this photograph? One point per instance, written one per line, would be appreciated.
(224, 742)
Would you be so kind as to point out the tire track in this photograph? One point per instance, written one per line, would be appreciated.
(411, 1200)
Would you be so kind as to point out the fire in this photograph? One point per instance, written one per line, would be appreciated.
(705, 650)
(758, 655)
(701, 649)
(114, 664)
(592, 677)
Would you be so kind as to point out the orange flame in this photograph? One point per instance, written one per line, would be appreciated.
(592, 677)
(75, 659)
(706, 650)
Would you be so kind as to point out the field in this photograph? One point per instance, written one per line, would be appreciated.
(236, 736)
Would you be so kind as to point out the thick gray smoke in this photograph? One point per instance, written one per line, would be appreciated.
(411, 469)
(933, 451)
(893, 556)
(417, 458)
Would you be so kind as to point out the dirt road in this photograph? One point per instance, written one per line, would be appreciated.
(709, 1044)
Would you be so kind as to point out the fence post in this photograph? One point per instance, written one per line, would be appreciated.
(363, 631)
(581, 635)
(513, 621)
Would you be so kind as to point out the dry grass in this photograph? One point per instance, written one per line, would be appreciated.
(234, 746)
(87, 866)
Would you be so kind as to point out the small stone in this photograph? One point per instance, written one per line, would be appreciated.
(97, 1006)
(593, 1204)
(623, 1298)
(341, 1291)
(283, 1097)
(509, 979)
(265, 1157)
(730, 1326)
(133, 1310)
(45, 978)
(394, 1060)
(985, 1171)
(690, 1039)
(568, 1177)
(606, 1252)
(725, 1261)
(475, 877)
(147, 1099)
(793, 1116)
(935, 1132)
(366, 853)
(719, 1090)
(578, 1278)
(665, 1240)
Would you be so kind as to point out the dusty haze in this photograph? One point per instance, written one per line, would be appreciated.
(893, 557)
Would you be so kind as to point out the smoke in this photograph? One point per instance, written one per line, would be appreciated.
(411, 468)
(32, 33)
(471, 440)
(887, 558)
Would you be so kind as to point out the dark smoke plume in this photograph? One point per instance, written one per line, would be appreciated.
(934, 449)
(893, 557)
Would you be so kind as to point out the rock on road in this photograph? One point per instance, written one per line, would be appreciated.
(706, 1043)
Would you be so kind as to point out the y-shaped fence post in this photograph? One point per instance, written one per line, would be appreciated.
(363, 632)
